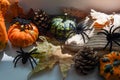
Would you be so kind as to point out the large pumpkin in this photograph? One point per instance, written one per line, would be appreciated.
(61, 26)
(3, 33)
(4, 4)
(22, 33)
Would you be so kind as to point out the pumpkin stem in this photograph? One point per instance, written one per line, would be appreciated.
(65, 17)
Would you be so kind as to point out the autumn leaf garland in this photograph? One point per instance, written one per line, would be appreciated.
(49, 55)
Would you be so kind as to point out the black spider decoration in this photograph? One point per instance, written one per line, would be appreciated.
(111, 36)
(80, 29)
(22, 21)
(25, 57)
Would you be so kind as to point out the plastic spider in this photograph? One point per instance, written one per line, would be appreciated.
(25, 57)
(23, 22)
(111, 36)
(80, 29)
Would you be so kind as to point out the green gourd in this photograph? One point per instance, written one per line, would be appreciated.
(61, 26)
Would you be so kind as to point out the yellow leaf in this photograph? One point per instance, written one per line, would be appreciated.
(48, 56)
(42, 66)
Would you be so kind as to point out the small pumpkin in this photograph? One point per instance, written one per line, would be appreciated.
(110, 66)
(60, 27)
(22, 33)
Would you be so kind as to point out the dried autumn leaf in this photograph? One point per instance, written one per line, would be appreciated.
(42, 66)
(64, 67)
(14, 11)
(65, 61)
(48, 56)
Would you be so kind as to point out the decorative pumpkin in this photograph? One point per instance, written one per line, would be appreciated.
(22, 33)
(4, 4)
(3, 33)
(110, 66)
(60, 27)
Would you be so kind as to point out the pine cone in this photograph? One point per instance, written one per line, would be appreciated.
(86, 60)
(41, 19)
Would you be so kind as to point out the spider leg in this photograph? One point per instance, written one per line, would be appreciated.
(33, 60)
(18, 51)
(84, 27)
(16, 61)
(21, 50)
(30, 26)
(105, 31)
(69, 34)
(116, 43)
(16, 58)
(31, 63)
(106, 45)
(110, 46)
(111, 29)
(86, 35)
(87, 29)
(115, 29)
(83, 37)
(71, 25)
(31, 52)
(102, 33)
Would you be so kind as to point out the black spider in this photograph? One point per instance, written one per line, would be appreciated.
(111, 36)
(22, 21)
(25, 57)
(80, 28)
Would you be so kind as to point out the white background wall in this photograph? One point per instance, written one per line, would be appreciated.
(52, 6)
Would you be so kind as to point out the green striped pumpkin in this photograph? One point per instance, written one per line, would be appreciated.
(61, 27)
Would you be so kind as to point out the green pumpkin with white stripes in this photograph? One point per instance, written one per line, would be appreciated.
(61, 26)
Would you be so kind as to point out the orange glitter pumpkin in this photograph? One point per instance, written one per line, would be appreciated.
(22, 33)
(110, 66)
(4, 5)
